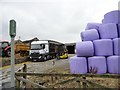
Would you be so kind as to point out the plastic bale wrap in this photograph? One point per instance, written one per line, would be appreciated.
(103, 47)
(118, 25)
(92, 26)
(103, 21)
(78, 65)
(97, 65)
(108, 31)
(89, 35)
(84, 48)
(116, 44)
(112, 17)
(113, 63)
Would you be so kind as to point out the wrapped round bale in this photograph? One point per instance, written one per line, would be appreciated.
(112, 17)
(118, 25)
(78, 65)
(84, 48)
(92, 26)
(108, 31)
(113, 63)
(97, 65)
(103, 21)
(103, 47)
(89, 35)
(116, 44)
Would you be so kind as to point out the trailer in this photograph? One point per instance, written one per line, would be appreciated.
(45, 49)
(22, 48)
(5, 49)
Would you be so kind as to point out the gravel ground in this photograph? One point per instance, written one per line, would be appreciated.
(41, 67)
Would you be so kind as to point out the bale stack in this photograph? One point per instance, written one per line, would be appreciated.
(99, 51)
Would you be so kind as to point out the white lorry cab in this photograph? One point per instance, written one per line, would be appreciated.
(44, 49)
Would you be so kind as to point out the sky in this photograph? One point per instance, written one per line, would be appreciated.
(59, 20)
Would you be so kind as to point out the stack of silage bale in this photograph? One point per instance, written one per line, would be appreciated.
(100, 47)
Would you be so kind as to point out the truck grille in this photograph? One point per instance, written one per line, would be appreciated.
(35, 55)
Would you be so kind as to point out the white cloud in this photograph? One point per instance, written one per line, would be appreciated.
(61, 20)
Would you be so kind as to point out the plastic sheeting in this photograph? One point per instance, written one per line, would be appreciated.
(112, 17)
(113, 63)
(103, 21)
(92, 26)
(97, 64)
(84, 48)
(89, 35)
(103, 47)
(116, 44)
(118, 25)
(78, 65)
(108, 31)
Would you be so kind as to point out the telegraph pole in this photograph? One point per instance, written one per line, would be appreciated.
(12, 35)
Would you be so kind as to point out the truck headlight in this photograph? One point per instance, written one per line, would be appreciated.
(39, 57)
(30, 57)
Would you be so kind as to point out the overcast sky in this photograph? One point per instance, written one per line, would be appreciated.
(60, 20)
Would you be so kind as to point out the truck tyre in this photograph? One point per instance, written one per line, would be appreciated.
(45, 58)
(48, 57)
(8, 52)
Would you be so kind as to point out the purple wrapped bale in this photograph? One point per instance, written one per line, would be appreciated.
(112, 17)
(84, 48)
(113, 63)
(103, 21)
(118, 25)
(92, 26)
(103, 47)
(108, 31)
(97, 64)
(72, 63)
(89, 35)
(78, 65)
(116, 44)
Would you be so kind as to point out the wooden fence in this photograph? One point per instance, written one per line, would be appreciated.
(81, 81)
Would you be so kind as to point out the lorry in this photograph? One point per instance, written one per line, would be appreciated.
(43, 50)
(5, 49)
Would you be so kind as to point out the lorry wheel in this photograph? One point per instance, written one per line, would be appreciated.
(8, 52)
(48, 57)
(45, 58)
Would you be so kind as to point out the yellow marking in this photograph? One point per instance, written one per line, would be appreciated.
(6, 67)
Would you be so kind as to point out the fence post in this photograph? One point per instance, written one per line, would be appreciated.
(17, 83)
(78, 83)
(24, 76)
(52, 79)
(84, 82)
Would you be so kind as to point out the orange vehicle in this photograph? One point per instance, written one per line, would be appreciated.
(22, 48)
(5, 49)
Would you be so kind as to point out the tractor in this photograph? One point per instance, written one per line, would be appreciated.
(5, 49)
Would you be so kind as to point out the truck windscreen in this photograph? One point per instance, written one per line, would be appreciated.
(36, 46)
